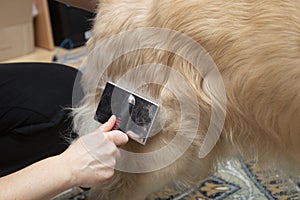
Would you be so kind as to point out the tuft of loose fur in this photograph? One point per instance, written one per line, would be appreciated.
(256, 47)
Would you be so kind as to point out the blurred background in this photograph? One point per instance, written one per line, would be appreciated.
(43, 30)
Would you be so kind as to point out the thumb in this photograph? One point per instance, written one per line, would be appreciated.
(108, 126)
(117, 137)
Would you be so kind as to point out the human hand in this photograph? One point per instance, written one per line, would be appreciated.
(92, 158)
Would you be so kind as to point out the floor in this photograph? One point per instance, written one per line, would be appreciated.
(72, 58)
(38, 55)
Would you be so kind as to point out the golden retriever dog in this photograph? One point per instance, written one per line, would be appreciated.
(226, 75)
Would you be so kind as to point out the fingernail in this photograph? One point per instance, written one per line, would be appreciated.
(112, 117)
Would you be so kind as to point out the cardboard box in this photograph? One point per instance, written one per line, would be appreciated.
(16, 28)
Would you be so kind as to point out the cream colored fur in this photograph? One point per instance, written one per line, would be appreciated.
(256, 47)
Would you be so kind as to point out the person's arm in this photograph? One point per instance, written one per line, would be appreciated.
(87, 162)
(89, 5)
(41, 180)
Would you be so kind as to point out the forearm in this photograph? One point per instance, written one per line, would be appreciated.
(42, 180)
(89, 5)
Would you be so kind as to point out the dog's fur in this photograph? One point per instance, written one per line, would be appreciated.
(256, 47)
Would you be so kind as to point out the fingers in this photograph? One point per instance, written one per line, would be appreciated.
(108, 126)
(117, 137)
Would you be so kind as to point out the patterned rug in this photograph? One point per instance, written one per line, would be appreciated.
(235, 180)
